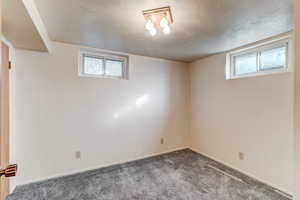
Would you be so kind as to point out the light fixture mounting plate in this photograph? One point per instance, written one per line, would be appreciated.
(157, 14)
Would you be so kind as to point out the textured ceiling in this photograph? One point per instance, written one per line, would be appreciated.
(201, 27)
(18, 27)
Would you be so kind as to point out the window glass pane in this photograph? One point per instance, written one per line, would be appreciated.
(274, 58)
(93, 65)
(245, 64)
(114, 68)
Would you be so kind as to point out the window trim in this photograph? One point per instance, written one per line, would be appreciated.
(105, 56)
(284, 41)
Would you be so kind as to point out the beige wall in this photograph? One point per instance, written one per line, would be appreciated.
(57, 113)
(297, 98)
(249, 115)
(109, 121)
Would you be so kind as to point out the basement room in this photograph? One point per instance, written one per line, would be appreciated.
(150, 100)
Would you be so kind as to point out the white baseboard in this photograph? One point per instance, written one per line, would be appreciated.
(279, 190)
(98, 167)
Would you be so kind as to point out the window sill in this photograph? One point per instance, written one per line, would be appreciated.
(265, 73)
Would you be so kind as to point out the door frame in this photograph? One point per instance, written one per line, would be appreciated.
(4, 117)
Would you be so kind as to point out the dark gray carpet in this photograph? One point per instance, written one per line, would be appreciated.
(181, 175)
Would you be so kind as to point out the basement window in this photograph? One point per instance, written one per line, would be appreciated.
(266, 58)
(103, 65)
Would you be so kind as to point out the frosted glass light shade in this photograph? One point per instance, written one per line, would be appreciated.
(149, 25)
(164, 22)
(153, 32)
(166, 30)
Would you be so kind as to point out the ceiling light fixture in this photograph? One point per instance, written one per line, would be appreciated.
(158, 18)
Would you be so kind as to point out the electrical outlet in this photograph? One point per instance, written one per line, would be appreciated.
(241, 156)
(78, 155)
(162, 141)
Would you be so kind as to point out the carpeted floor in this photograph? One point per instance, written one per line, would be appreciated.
(181, 175)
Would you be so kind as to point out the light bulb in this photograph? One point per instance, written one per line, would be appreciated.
(153, 32)
(149, 25)
(166, 30)
(164, 22)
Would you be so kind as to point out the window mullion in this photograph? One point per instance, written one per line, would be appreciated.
(104, 66)
(233, 67)
(123, 69)
(258, 61)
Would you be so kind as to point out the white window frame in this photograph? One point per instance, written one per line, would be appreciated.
(105, 56)
(285, 41)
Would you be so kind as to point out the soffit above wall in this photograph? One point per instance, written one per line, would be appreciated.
(18, 28)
